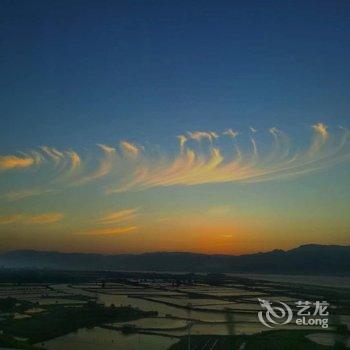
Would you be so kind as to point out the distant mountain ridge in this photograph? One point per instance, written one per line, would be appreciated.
(306, 259)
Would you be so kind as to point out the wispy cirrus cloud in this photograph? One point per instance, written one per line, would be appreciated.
(107, 231)
(21, 194)
(49, 218)
(321, 129)
(9, 219)
(193, 167)
(113, 223)
(204, 157)
(200, 135)
(130, 148)
(53, 153)
(182, 141)
(118, 216)
(104, 168)
(44, 156)
(12, 162)
(49, 171)
(26, 219)
(231, 133)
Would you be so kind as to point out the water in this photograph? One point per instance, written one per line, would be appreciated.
(156, 323)
(326, 281)
(104, 339)
(99, 338)
(328, 339)
(52, 301)
(162, 309)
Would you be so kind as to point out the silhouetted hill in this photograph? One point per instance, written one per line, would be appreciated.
(306, 259)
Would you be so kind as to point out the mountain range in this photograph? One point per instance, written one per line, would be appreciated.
(305, 259)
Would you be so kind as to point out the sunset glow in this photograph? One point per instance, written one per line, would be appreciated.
(157, 126)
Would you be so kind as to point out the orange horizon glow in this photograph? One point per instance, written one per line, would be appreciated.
(213, 196)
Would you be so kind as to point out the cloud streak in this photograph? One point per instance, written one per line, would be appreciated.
(204, 157)
(113, 223)
(203, 135)
(118, 216)
(194, 167)
(104, 168)
(108, 231)
(25, 219)
(130, 148)
(26, 193)
(12, 162)
(49, 218)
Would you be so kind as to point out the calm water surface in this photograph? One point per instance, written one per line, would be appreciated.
(103, 339)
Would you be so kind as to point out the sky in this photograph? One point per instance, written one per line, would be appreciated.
(199, 126)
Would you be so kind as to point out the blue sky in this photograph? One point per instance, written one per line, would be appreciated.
(77, 74)
(91, 71)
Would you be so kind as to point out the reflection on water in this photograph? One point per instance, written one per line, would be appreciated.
(103, 339)
(155, 322)
(162, 309)
(327, 281)
(247, 323)
(328, 339)
(218, 291)
(171, 320)
(219, 329)
(51, 301)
